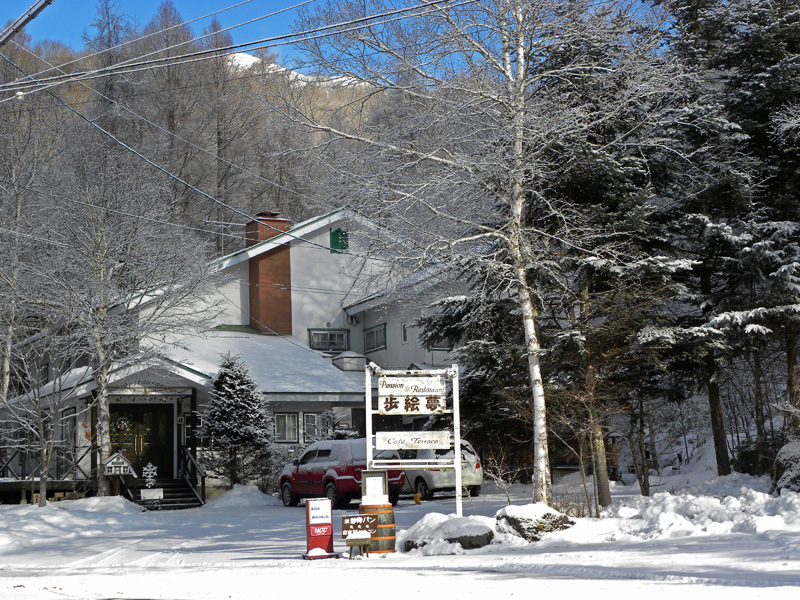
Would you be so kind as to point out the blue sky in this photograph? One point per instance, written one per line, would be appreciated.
(66, 20)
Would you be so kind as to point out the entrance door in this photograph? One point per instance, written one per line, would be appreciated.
(144, 433)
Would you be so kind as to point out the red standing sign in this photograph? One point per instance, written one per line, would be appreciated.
(319, 528)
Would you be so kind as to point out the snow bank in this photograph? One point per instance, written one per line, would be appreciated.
(72, 520)
(242, 496)
(736, 504)
(726, 505)
(435, 529)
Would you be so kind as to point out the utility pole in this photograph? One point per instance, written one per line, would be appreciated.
(26, 18)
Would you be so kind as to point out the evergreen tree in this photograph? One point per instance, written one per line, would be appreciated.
(237, 427)
(741, 224)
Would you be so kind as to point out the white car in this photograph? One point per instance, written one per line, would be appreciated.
(427, 481)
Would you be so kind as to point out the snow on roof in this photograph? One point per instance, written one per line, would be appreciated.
(280, 364)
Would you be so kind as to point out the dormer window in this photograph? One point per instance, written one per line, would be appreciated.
(328, 340)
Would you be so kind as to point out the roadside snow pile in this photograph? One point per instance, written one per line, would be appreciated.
(736, 504)
(437, 534)
(242, 496)
(531, 521)
(788, 461)
(733, 504)
(114, 505)
(70, 520)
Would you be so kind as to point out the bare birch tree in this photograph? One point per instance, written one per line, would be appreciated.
(469, 111)
(134, 278)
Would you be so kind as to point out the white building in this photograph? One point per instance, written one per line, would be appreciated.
(302, 309)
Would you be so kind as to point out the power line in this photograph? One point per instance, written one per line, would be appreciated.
(162, 31)
(176, 136)
(119, 212)
(124, 145)
(359, 23)
(265, 43)
(26, 18)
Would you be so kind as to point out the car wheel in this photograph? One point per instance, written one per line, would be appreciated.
(287, 495)
(474, 490)
(422, 489)
(333, 495)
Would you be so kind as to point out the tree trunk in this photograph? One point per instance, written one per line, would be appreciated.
(103, 421)
(651, 436)
(758, 394)
(637, 450)
(516, 79)
(717, 421)
(600, 466)
(793, 379)
(43, 488)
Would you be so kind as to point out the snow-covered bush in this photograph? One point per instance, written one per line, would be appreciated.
(788, 468)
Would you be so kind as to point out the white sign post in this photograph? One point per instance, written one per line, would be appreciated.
(415, 393)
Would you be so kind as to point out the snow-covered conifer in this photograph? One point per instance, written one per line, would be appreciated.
(237, 428)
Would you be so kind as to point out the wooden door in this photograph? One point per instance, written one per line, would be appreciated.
(144, 433)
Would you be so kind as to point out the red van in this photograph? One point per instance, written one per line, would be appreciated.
(332, 469)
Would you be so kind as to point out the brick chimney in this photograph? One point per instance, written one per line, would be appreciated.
(265, 226)
(270, 276)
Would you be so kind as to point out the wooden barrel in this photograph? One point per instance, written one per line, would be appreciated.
(382, 540)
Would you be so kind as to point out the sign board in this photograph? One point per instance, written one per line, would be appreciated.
(411, 395)
(374, 487)
(360, 522)
(319, 528)
(411, 440)
(152, 494)
(318, 512)
(118, 465)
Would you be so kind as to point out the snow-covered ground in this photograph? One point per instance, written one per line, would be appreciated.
(717, 538)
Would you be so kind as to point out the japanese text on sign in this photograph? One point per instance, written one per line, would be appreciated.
(411, 395)
(351, 523)
(319, 511)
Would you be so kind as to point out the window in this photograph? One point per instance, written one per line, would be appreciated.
(328, 340)
(286, 427)
(311, 427)
(404, 333)
(323, 455)
(308, 456)
(339, 240)
(375, 338)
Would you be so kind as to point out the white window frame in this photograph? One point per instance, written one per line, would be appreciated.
(306, 437)
(326, 347)
(377, 345)
(286, 417)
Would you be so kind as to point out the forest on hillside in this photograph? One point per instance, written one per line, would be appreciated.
(619, 182)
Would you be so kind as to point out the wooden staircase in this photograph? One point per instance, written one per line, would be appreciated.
(178, 494)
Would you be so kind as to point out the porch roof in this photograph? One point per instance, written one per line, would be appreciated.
(279, 364)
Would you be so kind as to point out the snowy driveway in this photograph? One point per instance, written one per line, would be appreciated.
(241, 546)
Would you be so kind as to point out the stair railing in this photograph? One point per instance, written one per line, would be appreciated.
(193, 474)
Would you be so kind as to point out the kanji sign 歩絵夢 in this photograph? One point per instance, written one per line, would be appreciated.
(411, 395)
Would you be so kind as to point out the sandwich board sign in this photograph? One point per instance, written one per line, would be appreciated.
(319, 529)
(414, 393)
